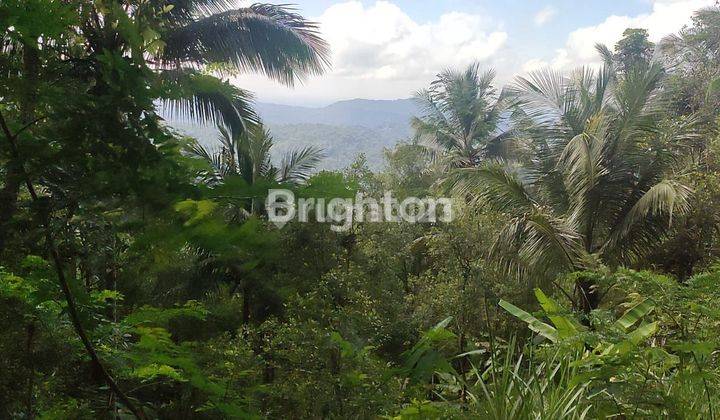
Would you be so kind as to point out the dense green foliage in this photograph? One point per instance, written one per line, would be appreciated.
(139, 275)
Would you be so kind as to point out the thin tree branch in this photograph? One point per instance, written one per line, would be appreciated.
(57, 262)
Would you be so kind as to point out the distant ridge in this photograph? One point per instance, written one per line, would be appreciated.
(359, 112)
(343, 129)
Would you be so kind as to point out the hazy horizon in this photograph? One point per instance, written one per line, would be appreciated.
(327, 103)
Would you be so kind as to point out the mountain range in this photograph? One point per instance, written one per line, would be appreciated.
(358, 112)
(342, 129)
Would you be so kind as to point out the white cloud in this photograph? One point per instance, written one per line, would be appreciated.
(545, 15)
(382, 42)
(666, 17)
(534, 64)
(380, 51)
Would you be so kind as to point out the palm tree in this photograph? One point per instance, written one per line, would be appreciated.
(601, 184)
(246, 156)
(186, 43)
(167, 50)
(461, 114)
(213, 35)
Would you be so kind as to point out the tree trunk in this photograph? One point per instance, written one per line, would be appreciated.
(587, 296)
(8, 199)
(30, 385)
(14, 171)
(64, 285)
(246, 305)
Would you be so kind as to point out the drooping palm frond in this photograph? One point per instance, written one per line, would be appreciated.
(297, 165)
(667, 198)
(202, 98)
(494, 184)
(607, 56)
(551, 243)
(582, 163)
(218, 169)
(540, 244)
(270, 39)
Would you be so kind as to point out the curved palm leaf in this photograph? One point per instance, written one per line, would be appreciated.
(607, 56)
(666, 198)
(215, 161)
(540, 244)
(266, 38)
(248, 155)
(494, 184)
(297, 165)
(202, 98)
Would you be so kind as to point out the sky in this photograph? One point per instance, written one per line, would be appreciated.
(390, 49)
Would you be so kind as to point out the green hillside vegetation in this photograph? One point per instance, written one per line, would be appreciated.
(141, 278)
(341, 144)
(379, 125)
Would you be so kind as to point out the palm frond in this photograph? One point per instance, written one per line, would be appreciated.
(545, 97)
(665, 199)
(583, 169)
(433, 127)
(607, 56)
(297, 165)
(215, 174)
(492, 183)
(184, 11)
(202, 98)
(551, 243)
(540, 244)
(261, 141)
(460, 116)
(635, 98)
(270, 39)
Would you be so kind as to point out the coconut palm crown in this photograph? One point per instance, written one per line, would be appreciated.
(247, 155)
(461, 113)
(600, 184)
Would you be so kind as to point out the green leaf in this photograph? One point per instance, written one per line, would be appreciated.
(702, 348)
(713, 88)
(102, 296)
(643, 332)
(634, 314)
(566, 326)
(153, 370)
(195, 211)
(534, 324)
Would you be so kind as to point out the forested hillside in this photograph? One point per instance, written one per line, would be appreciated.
(342, 129)
(142, 276)
(354, 112)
